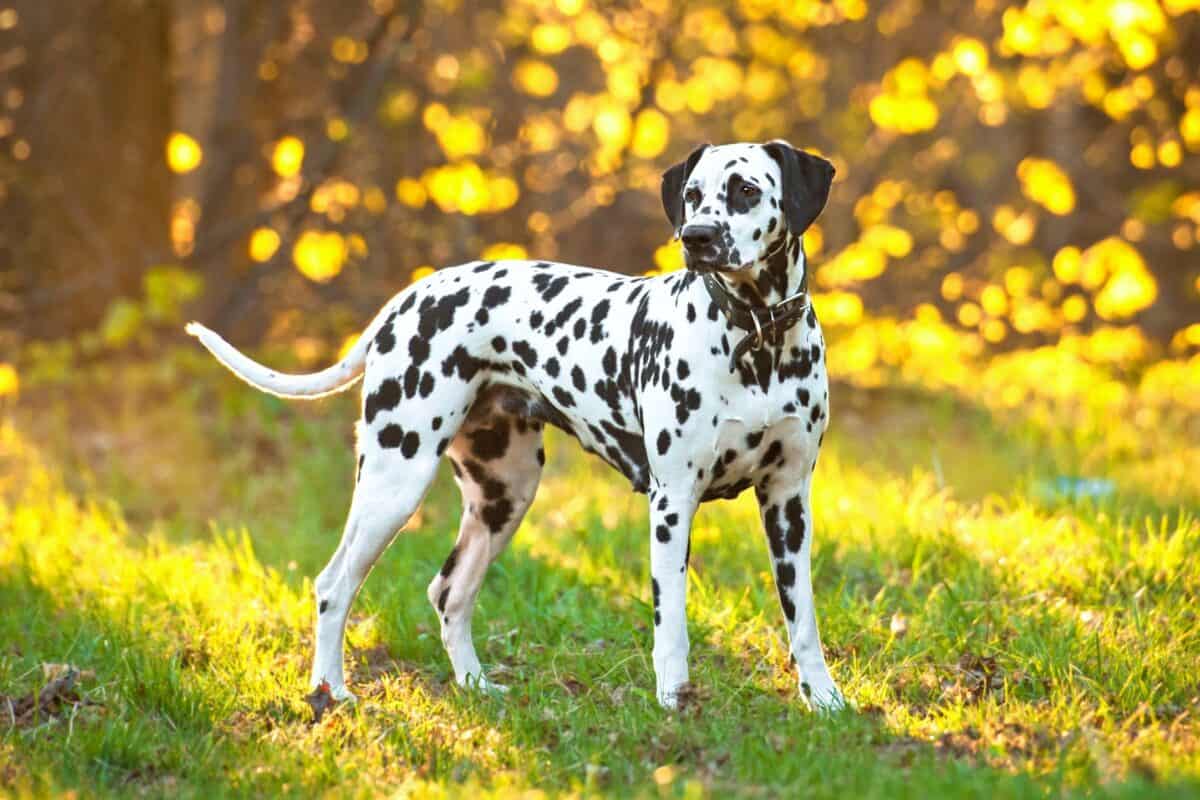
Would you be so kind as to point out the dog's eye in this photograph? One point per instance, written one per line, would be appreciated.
(692, 196)
(750, 191)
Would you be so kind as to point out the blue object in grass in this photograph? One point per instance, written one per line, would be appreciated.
(1073, 487)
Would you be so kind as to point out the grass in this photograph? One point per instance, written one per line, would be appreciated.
(997, 639)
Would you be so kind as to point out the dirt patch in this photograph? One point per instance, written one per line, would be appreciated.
(973, 678)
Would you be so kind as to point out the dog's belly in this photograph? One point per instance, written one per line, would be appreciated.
(787, 447)
(621, 448)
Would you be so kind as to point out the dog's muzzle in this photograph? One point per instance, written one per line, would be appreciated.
(701, 248)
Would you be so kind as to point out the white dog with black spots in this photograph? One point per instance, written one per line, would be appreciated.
(694, 385)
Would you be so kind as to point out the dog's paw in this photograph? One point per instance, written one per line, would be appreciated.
(677, 697)
(481, 683)
(822, 696)
(684, 697)
(344, 695)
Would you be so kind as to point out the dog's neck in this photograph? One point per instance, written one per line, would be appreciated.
(777, 275)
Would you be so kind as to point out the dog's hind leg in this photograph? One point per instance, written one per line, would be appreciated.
(497, 462)
(390, 486)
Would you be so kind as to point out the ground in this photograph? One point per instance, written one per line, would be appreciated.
(160, 525)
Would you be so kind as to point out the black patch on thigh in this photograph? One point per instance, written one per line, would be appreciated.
(491, 443)
(497, 514)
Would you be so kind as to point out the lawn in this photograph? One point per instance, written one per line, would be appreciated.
(160, 526)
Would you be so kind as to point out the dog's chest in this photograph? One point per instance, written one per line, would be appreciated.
(756, 430)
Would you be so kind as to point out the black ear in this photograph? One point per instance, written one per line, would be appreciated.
(673, 181)
(806, 182)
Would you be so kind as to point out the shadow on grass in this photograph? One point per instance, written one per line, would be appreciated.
(169, 722)
(165, 724)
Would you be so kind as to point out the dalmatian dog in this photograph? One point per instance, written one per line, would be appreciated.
(694, 385)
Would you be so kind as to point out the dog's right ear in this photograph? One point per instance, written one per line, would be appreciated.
(673, 181)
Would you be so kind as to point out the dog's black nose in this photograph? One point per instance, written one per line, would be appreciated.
(697, 236)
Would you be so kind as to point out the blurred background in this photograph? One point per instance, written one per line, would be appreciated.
(1011, 176)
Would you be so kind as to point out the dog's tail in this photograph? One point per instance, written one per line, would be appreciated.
(337, 378)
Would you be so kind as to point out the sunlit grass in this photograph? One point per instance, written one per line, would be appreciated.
(996, 639)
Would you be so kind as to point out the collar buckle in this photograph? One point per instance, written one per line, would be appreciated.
(791, 310)
(759, 341)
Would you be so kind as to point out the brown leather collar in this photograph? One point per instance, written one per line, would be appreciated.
(763, 323)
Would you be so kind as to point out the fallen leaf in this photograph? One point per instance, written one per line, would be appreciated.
(571, 684)
(976, 676)
(52, 671)
(54, 698)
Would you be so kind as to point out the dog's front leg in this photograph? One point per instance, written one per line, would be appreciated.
(788, 522)
(670, 535)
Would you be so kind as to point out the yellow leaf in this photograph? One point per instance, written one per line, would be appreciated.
(421, 273)
(320, 256)
(669, 257)
(347, 344)
(411, 192)
(1130, 286)
(651, 132)
(1045, 183)
(536, 78)
(263, 244)
(838, 308)
(550, 38)
(970, 56)
(501, 251)
(288, 156)
(461, 136)
(612, 125)
(9, 382)
(183, 153)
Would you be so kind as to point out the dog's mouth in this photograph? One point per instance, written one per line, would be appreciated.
(707, 262)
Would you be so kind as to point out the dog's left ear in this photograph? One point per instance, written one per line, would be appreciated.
(806, 182)
(673, 181)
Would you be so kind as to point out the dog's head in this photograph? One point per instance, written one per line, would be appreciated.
(735, 204)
